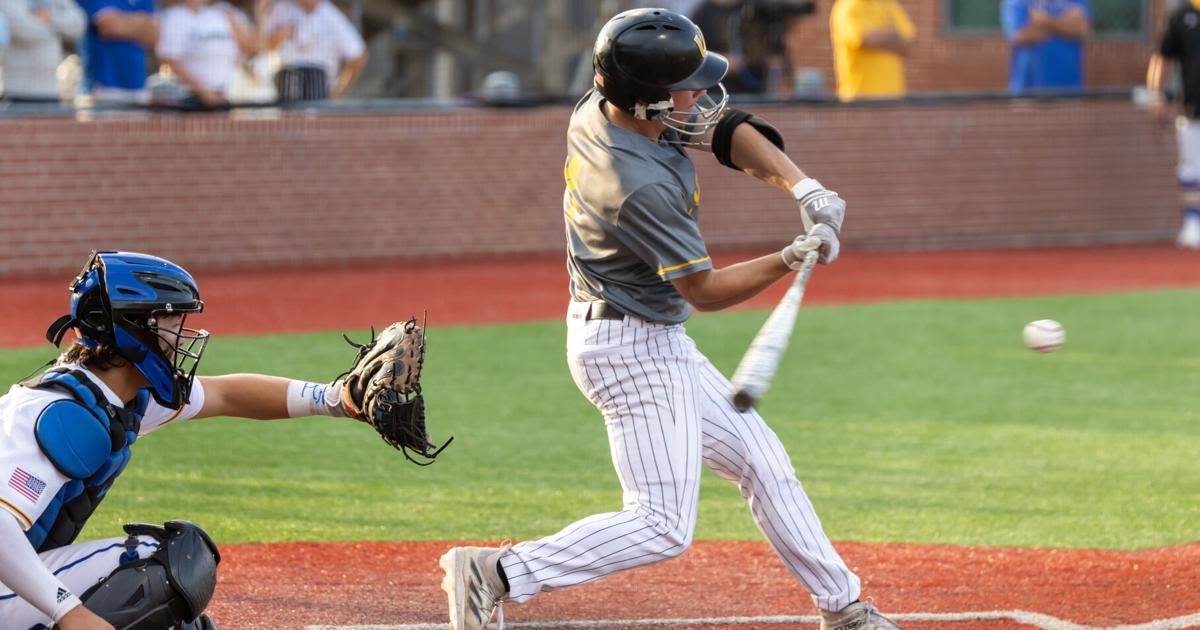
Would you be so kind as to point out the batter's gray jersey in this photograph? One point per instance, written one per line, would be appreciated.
(632, 210)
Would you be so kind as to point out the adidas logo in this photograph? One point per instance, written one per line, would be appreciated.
(63, 594)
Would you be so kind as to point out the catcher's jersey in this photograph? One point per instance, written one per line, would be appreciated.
(28, 480)
(632, 212)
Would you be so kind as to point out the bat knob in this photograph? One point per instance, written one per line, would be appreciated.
(743, 401)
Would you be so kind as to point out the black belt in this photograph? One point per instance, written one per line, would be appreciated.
(603, 310)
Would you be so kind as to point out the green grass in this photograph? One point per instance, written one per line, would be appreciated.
(918, 422)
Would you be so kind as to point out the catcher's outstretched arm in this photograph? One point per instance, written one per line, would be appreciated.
(263, 397)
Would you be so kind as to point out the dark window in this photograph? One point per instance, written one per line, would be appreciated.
(972, 16)
(1119, 19)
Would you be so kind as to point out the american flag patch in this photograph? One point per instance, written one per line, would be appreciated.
(29, 486)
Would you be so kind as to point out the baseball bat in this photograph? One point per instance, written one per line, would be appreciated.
(754, 373)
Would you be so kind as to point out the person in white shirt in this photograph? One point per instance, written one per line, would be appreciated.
(65, 437)
(37, 29)
(321, 54)
(203, 45)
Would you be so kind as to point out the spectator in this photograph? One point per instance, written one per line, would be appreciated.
(1181, 42)
(734, 29)
(1047, 43)
(870, 39)
(114, 51)
(320, 52)
(37, 28)
(202, 44)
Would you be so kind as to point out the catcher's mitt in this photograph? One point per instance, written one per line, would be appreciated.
(383, 389)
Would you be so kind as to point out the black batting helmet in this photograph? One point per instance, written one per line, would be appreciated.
(644, 54)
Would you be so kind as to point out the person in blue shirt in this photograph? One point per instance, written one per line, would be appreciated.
(1047, 43)
(4, 36)
(114, 49)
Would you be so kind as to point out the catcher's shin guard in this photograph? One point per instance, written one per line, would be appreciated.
(165, 591)
(203, 622)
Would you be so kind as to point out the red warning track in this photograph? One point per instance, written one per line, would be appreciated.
(296, 585)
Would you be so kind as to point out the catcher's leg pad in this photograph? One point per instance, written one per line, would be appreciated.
(203, 622)
(170, 588)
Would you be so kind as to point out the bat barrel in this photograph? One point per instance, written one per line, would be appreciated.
(757, 368)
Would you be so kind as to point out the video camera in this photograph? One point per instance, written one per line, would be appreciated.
(772, 10)
(775, 14)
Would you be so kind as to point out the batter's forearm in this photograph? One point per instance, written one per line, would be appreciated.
(719, 289)
(756, 155)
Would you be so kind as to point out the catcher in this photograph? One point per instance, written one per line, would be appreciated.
(65, 437)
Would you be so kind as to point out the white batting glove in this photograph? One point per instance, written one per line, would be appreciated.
(823, 205)
(821, 237)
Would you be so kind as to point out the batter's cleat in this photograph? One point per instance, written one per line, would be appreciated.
(857, 616)
(473, 586)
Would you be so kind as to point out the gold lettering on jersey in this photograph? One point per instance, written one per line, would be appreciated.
(571, 175)
(699, 39)
(695, 197)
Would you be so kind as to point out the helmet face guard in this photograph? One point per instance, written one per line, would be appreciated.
(170, 356)
(704, 115)
(644, 55)
(119, 299)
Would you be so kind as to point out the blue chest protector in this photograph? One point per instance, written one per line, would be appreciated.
(87, 439)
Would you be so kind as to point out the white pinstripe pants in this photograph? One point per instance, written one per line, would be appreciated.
(667, 409)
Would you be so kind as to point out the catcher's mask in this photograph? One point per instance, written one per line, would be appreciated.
(118, 299)
(643, 55)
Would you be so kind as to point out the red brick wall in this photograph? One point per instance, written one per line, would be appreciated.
(215, 191)
(944, 63)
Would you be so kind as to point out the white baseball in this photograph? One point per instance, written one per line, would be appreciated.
(1044, 335)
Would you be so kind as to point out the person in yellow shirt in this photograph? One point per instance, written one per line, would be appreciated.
(870, 39)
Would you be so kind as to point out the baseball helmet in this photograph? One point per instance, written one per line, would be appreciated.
(643, 54)
(116, 301)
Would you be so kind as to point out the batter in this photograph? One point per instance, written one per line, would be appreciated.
(639, 267)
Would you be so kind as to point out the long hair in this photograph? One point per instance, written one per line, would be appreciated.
(102, 357)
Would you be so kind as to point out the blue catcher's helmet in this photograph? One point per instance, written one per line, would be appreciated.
(117, 300)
